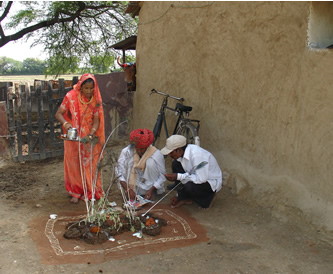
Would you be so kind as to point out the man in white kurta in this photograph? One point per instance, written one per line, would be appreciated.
(141, 166)
(196, 169)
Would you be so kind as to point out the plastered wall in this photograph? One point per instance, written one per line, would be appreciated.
(264, 98)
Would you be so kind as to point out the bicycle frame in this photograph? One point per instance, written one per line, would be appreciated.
(161, 120)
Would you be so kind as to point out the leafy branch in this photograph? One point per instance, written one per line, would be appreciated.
(70, 31)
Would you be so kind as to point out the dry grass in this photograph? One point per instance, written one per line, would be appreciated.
(31, 78)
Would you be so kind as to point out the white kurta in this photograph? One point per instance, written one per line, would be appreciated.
(210, 173)
(153, 175)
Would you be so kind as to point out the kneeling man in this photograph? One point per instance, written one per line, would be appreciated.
(197, 170)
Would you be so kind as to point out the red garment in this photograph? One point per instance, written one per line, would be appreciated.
(80, 162)
(142, 138)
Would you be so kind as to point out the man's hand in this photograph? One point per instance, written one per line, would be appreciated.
(171, 177)
(131, 194)
(128, 190)
(149, 193)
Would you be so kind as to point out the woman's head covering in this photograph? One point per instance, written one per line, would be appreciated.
(142, 138)
(84, 77)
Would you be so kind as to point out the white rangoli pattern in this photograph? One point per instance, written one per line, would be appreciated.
(120, 244)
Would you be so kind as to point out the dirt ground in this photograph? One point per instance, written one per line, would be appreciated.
(243, 236)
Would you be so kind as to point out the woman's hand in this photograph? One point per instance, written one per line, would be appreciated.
(88, 138)
(60, 117)
(67, 126)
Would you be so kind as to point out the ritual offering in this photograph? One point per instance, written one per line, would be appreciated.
(138, 203)
(111, 223)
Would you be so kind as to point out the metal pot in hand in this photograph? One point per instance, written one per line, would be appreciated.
(72, 134)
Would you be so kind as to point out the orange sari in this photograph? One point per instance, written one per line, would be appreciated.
(80, 160)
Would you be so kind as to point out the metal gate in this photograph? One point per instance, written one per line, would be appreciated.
(34, 132)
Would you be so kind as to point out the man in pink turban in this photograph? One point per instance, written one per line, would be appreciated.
(141, 166)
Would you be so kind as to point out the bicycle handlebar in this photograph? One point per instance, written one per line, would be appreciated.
(167, 95)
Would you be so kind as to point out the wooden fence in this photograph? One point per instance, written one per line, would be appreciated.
(34, 132)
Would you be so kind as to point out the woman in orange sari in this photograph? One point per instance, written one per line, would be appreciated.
(82, 109)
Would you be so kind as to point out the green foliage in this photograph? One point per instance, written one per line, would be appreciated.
(33, 66)
(24, 16)
(9, 66)
(101, 64)
(130, 59)
(29, 66)
(77, 35)
(100, 213)
(64, 64)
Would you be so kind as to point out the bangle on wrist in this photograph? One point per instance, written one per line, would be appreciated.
(94, 129)
(65, 123)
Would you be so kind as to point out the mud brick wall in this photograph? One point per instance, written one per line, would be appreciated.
(262, 93)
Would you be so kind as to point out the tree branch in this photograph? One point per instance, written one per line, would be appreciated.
(5, 39)
(6, 11)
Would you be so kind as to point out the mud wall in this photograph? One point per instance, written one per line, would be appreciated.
(264, 97)
(117, 104)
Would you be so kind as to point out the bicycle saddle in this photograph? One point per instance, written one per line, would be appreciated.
(181, 107)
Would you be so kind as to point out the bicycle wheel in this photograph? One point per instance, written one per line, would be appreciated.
(189, 131)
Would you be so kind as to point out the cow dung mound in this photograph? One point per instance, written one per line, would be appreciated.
(97, 233)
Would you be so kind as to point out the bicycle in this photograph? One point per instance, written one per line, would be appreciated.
(184, 126)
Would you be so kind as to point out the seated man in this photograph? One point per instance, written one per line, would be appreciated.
(141, 166)
(197, 170)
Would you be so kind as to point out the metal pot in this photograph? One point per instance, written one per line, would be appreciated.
(72, 134)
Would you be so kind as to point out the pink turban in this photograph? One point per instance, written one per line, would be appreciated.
(142, 138)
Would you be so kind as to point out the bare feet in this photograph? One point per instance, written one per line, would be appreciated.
(74, 200)
(211, 203)
(175, 203)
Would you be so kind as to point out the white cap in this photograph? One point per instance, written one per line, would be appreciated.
(172, 143)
